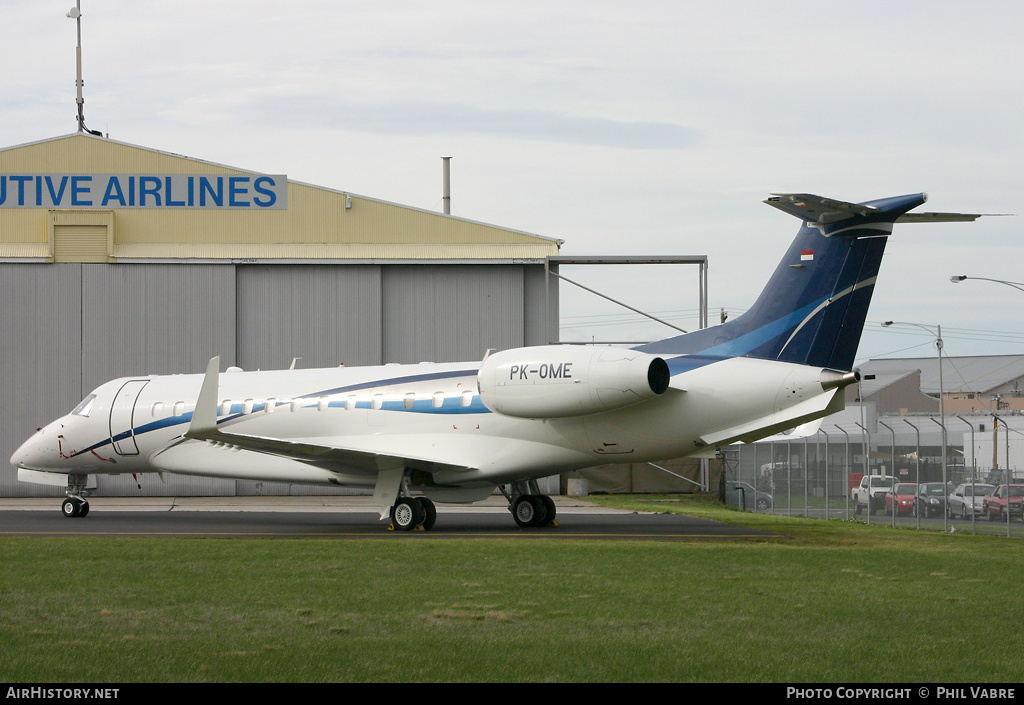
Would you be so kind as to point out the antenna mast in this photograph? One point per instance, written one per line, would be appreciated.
(75, 13)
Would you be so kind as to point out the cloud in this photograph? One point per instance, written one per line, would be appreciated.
(432, 118)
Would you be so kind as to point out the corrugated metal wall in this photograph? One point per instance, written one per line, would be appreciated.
(325, 314)
(40, 356)
(454, 313)
(155, 319)
(71, 327)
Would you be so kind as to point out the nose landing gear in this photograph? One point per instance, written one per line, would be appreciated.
(75, 505)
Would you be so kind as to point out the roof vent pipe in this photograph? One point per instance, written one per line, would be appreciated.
(447, 194)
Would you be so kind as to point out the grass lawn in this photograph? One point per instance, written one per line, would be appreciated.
(823, 602)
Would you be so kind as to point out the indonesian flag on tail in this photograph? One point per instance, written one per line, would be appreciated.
(806, 255)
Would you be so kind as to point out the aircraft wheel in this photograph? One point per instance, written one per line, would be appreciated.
(429, 513)
(529, 510)
(549, 508)
(72, 507)
(407, 514)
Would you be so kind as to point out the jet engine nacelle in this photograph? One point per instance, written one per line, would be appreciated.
(554, 381)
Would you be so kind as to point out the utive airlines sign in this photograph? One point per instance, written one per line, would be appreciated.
(209, 191)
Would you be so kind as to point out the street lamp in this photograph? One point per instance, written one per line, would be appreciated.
(937, 333)
(956, 279)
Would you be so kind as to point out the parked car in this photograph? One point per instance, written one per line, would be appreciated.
(901, 498)
(744, 496)
(994, 505)
(967, 499)
(870, 493)
(930, 499)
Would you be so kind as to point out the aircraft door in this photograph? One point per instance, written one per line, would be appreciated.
(122, 413)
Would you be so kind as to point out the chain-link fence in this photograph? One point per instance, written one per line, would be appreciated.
(909, 486)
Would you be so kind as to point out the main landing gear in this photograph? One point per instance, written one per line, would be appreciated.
(411, 513)
(529, 507)
(75, 505)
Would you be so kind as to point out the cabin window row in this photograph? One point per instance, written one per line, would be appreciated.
(271, 405)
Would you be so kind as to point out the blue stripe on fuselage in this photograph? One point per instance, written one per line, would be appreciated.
(450, 406)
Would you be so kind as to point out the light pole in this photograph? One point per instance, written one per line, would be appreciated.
(956, 279)
(937, 333)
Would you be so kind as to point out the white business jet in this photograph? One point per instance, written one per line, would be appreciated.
(454, 432)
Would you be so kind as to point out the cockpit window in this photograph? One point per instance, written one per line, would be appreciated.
(85, 407)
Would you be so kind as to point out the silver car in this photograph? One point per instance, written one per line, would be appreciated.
(966, 499)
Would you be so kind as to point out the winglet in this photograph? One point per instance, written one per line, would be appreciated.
(204, 418)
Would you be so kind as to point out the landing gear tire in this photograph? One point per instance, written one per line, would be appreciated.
(429, 513)
(74, 507)
(530, 510)
(407, 513)
(549, 505)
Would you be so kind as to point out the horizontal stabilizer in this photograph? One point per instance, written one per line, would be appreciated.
(944, 217)
(825, 211)
(817, 209)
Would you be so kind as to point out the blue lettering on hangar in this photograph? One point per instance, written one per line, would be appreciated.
(203, 191)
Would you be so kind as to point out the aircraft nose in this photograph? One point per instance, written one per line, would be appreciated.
(35, 452)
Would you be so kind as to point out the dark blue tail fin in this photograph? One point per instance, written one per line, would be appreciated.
(813, 309)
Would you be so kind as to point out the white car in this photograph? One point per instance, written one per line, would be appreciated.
(966, 499)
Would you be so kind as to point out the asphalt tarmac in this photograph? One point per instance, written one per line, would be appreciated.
(342, 517)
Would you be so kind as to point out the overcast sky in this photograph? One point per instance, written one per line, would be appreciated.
(640, 128)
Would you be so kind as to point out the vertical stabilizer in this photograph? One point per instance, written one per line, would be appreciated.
(813, 309)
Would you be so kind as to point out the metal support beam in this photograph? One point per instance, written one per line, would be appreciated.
(551, 269)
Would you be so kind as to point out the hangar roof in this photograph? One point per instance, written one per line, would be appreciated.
(159, 206)
(972, 374)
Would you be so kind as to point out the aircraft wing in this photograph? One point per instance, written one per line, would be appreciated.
(203, 427)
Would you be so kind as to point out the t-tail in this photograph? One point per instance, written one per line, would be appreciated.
(813, 309)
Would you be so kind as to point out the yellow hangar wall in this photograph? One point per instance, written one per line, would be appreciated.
(317, 223)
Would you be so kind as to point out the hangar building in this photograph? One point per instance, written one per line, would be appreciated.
(118, 260)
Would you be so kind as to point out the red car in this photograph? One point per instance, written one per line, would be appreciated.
(903, 496)
(993, 507)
